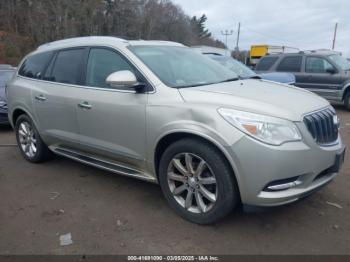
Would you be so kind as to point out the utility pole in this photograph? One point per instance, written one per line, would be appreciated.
(335, 35)
(226, 33)
(238, 32)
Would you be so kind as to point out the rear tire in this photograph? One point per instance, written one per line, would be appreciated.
(347, 100)
(29, 141)
(197, 181)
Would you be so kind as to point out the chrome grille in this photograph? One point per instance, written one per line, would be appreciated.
(323, 126)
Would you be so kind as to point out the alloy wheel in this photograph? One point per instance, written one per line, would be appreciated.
(27, 139)
(192, 183)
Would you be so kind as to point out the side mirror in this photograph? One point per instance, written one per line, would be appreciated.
(331, 71)
(123, 78)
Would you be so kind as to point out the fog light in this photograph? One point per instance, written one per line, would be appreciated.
(283, 184)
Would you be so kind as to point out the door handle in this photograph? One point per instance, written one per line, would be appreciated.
(40, 97)
(85, 105)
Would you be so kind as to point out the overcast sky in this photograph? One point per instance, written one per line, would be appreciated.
(306, 24)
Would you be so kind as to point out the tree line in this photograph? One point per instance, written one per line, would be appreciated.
(25, 24)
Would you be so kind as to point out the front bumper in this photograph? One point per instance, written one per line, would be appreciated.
(258, 165)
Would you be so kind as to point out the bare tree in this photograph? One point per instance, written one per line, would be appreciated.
(25, 24)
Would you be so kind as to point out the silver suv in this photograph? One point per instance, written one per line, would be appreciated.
(160, 112)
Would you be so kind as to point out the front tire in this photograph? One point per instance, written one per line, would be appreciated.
(29, 142)
(197, 181)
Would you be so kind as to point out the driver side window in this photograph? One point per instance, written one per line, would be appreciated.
(317, 65)
(101, 63)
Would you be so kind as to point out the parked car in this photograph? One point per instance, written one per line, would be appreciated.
(160, 112)
(245, 72)
(325, 73)
(6, 73)
(259, 51)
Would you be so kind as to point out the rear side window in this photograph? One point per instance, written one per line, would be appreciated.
(67, 67)
(290, 64)
(266, 63)
(34, 66)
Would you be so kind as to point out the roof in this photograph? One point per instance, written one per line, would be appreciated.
(79, 41)
(153, 42)
(6, 67)
(321, 52)
(212, 50)
(100, 40)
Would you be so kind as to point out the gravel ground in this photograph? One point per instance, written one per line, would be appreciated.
(111, 214)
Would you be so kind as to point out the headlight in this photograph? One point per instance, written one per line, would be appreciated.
(270, 130)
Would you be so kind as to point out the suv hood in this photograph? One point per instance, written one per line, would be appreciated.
(257, 96)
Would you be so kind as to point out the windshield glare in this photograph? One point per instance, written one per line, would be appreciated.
(340, 61)
(234, 65)
(181, 66)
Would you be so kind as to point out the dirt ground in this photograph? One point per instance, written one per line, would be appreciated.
(111, 214)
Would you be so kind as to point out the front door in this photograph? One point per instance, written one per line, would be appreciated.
(111, 121)
(321, 77)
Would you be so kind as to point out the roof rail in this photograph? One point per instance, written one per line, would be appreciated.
(320, 51)
(76, 39)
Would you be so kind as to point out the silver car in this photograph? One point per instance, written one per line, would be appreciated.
(160, 112)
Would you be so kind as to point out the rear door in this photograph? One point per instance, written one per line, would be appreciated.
(111, 121)
(292, 64)
(318, 77)
(55, 98)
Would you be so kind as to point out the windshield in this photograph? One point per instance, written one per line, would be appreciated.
(340, 61)
(5, 76)
(181, 66)
(234, 65)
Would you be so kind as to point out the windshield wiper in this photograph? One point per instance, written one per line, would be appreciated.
(195, 85)
(255, 77)
(207, 84)
(230, 80)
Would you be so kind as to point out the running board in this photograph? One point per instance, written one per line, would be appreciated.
(112, 167)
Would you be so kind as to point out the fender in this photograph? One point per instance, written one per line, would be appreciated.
(201, 131)
(25, 110)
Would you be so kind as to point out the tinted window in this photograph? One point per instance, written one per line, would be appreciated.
(102, 63)
(290, 64)
(67, 66)
(34, 65)
(266, 63)
(317, 65)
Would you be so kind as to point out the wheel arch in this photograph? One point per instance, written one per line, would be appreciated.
(346, 91)
(18, 112)
(169, 138)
